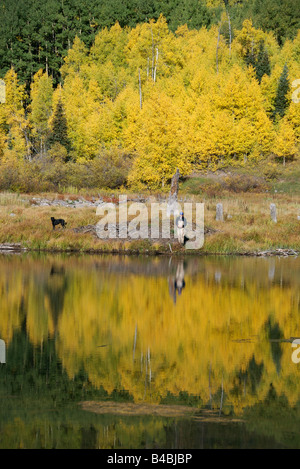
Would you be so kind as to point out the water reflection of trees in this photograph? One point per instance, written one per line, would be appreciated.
(214, 343)
(36, 412)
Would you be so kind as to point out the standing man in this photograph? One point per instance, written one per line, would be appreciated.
(180, 223)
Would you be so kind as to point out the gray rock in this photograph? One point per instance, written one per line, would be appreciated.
(219, 212)
(273, 213)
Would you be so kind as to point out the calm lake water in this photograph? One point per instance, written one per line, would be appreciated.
(122, 352)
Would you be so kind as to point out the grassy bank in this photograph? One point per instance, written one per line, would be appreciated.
(247, 227)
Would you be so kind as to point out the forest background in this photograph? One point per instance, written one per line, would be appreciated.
(120, 94)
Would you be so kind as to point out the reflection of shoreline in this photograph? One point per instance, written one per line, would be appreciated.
(231, 270)
(162, 410)
(132, 251)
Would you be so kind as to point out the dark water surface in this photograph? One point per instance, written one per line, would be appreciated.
(132, 352)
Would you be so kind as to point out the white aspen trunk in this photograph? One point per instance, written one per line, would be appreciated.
(140, 88)
(217, 51)
(230, 33)
(152, 69)
(155, 68)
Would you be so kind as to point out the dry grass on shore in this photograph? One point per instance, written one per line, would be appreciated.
(247, 225)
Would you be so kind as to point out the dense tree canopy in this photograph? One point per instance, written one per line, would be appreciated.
(38, 35)
(163, 94)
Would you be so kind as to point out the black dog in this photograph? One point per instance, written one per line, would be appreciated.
(58, 221)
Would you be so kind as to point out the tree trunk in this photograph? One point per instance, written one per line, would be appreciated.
(155, 68)
(217, 51)
(140, 88)
(230, 33)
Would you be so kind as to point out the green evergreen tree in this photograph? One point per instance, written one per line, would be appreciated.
(36, 34)
(282, 17)
(262, 65)
(281, 102)
(250, 59)
(59, 131)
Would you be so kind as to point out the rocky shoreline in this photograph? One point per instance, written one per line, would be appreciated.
(74, 203)
(18, 248)
(12, 247)
(81, 202)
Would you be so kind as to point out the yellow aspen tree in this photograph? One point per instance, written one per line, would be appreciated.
(109, 45)
(244, 140)
(74, 96)
(76, 58)
(268, 88)
(264, 133)
(156, 137)
(127, 115)
(247, 40)
(123, 110)
(200, 143)
(285, 141)
(223, 135)
(151, 48)
(99, 131)
(290, 54)
(110, 78)
(103, 125)
(41, 107)
(239, 93)
(18, 143)
(293, 117)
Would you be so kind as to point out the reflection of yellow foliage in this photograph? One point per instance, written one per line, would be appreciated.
(127, 333)
(11, 293)
(39, 319)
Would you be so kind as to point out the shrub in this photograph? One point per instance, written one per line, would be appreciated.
(111, 168)
(50, 172)
(244, 183)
